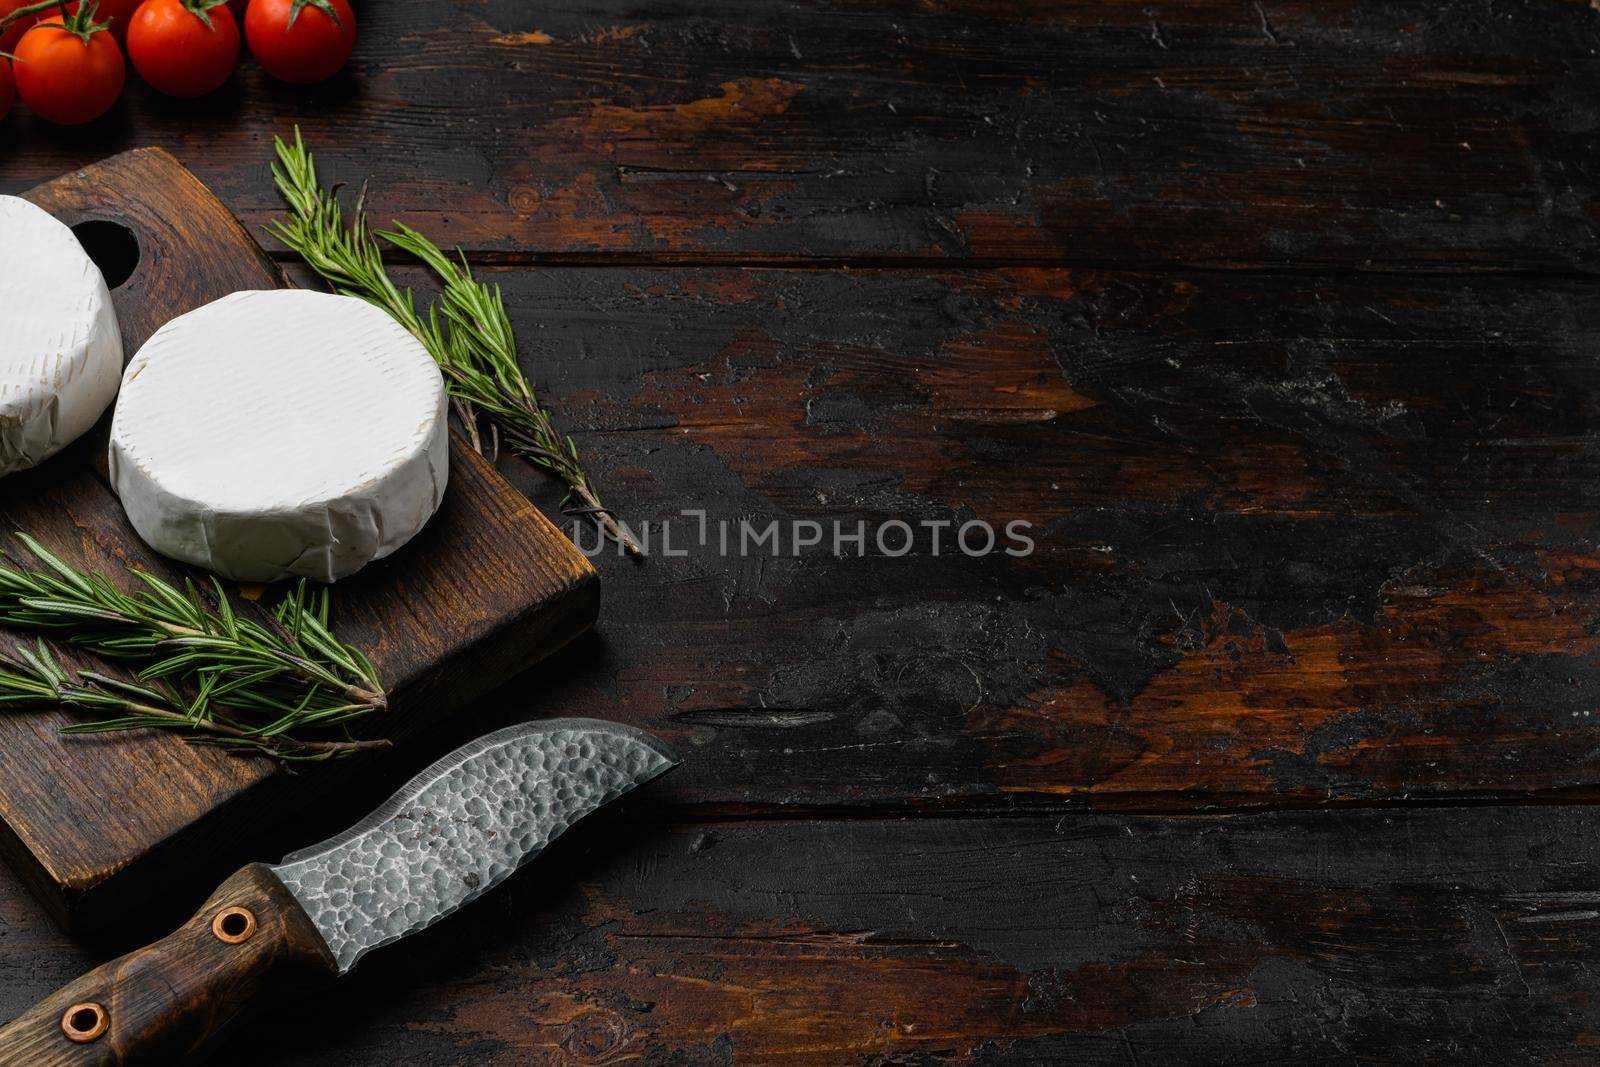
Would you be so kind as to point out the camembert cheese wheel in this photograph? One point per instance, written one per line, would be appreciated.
(282, 433)
(60, 350)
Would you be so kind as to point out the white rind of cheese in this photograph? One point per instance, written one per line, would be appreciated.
(60, 349)
(281, 433)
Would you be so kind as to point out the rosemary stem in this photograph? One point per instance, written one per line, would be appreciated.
(608, 521)
(307, 671)
(376, 701)
(469, 421)
(172, 630)
(579, 487)
(224, 730)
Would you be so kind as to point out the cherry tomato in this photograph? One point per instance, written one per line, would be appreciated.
(301, 41)
(173, 48)
(117, 12)
(69, 73)
(8, 88)
(13, 33)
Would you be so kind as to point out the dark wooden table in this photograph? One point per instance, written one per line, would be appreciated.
(1276, 319)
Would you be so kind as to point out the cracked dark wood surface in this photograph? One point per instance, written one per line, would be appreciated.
(1355, 134)
(1274, 319)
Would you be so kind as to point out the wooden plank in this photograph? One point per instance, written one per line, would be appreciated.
(486, 589)
(1443, 935)
(1360, 133)
(1299, 539)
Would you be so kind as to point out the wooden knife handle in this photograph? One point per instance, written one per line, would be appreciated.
(167, 1003)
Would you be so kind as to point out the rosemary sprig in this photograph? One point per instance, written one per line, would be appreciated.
(467, 332)
(33, 676)
(196, 639)
(260, 685)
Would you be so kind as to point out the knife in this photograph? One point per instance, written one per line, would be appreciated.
(451, 834)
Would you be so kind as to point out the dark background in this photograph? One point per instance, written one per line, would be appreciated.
(1276, 319)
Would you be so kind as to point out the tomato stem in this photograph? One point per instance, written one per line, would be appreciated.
(201, 9)
(320, 5)
(79, 23)
(24, 12)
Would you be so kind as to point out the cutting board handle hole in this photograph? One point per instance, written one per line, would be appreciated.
(112, 246)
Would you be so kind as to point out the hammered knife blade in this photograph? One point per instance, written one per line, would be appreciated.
(448, 836)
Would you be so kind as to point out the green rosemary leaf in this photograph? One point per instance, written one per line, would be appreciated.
(43, 666)
(107, 726)
(65, 610)
(225, 611)
(200, 702)
(196, 605)
(141, 692)
(176, 608)
(73, 579)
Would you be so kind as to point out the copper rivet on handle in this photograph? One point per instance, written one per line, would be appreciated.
(85, 1022)
(234, 925)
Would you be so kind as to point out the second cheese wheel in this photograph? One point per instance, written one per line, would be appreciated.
(60, 351)
(281, 433)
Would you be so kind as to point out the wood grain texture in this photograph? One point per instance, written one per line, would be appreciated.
(1420, 936)
(1359, 133)
(1299, 539)
(486, 589)
(171, 1002)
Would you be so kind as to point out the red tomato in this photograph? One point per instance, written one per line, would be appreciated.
(117, 12)
(13, 33)
(301, 41)
(8, 88)
(67, 74)
(174, 50)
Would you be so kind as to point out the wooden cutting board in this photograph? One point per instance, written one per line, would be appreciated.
(97, 823)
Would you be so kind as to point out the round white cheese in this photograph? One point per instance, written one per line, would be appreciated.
(60, 350)
(277, 434)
